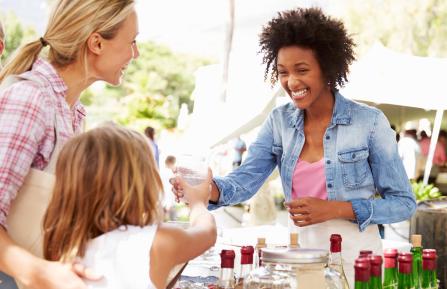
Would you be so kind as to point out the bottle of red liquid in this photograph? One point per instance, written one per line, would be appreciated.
(405, 277)
(362, 275)
(226, 280)
(336, 260)
(390, 275)
(428, 278)
(376, 271)
(246, 265)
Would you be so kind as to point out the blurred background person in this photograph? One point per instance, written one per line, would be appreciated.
(409, 150)
(2, 41)
(439, 157)
(150, 133)
(239, 148)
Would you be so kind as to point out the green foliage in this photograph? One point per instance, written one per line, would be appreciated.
(16, 34)
(418, 27)
(154, 87)
(425, 192)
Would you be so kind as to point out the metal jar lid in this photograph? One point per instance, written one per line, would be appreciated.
(294, 255)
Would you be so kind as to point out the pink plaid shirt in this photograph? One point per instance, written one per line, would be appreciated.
(27, 127)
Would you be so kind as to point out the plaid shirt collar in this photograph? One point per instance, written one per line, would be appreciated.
(43, 67)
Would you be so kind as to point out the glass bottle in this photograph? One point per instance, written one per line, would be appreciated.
(292, 268)
(226, 279)
(405, 278)
(258, 251)
(390, 275)
(246, 265)
(416, 250)
(428, 277)
(336, 260)
(376, 271)
(362, 274)
(293, 243)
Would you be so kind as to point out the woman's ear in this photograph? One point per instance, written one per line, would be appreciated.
(95, 43)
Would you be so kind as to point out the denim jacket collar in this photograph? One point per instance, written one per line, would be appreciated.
(341, 113)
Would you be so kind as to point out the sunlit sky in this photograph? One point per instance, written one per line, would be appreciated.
(196, 26)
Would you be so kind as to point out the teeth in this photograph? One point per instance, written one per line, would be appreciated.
(299, 92)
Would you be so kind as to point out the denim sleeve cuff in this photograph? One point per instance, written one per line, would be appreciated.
(225, 193)
(363, 211)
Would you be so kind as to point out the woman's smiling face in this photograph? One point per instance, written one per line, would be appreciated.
(300, 75)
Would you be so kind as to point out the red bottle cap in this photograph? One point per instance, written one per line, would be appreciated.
(429, 259)
(227, 258)
(390, 258)
(376, 265)
(429, 252)
(335, 243)
(390, 253)
(247, 254)
(405, 263)
(362, 270)
(365, 253)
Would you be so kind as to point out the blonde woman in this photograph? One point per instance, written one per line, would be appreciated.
(106, 208)
(85, 41)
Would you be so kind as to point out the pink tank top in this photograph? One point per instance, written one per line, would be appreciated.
(309, 180)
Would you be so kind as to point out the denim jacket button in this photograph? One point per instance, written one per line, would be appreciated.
(328, 162)
(329, 186)
(328, 137)
(353, 155)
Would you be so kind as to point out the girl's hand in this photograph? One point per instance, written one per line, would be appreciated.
(307, 211)
(192, 194)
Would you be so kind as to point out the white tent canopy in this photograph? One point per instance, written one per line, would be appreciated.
(385, 76)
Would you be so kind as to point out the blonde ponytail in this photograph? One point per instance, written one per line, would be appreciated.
(22, 60)
(70, 25)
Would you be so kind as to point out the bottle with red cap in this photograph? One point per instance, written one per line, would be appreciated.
(376, 271)
(390, 274)
(226, 280)
(246, 265)
(336, 260)
(365, 253)
(404, 277)
(428, 278)
(362, 274)
(258, 252)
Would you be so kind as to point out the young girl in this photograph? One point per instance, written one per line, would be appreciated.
(105, 210)
(85, 41)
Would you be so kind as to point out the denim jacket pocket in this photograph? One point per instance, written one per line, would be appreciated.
(277, 151)
(354, 165)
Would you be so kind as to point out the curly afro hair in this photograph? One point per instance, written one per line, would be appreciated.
(309, 28)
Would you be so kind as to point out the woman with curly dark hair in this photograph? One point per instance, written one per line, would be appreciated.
(333, 154)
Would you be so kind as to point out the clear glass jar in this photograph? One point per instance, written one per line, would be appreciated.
(292, 268)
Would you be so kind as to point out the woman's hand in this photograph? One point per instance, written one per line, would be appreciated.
(307, 211)
(192, 194)
(52, 275)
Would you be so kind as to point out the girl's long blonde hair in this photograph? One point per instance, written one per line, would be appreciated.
(105, 178)
(70, 24)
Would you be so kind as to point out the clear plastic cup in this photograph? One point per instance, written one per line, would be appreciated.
(192, 168)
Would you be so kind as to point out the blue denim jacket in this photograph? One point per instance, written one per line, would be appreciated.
(360, 156)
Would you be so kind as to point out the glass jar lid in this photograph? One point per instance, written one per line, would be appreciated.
(294, 255)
